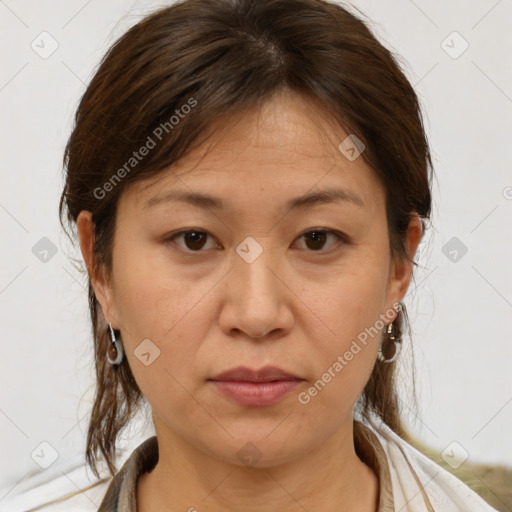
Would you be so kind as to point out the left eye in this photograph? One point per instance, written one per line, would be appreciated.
(195, 239)
(318, 238)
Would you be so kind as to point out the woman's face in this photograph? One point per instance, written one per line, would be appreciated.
(254, 286)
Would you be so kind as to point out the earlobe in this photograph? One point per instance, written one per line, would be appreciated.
(101, 287)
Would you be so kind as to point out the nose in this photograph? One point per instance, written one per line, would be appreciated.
(257, 302)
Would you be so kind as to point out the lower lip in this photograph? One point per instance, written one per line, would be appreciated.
(256, 394)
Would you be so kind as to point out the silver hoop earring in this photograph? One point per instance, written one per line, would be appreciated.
(397, 342)
(115, 351)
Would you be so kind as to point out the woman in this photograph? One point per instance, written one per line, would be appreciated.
(250, 181)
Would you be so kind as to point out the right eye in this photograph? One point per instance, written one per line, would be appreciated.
(194, 239)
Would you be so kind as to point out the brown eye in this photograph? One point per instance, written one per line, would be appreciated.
(316, 239)
(194, 240)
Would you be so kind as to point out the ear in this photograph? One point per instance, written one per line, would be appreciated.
(102, 287)
(401, 270)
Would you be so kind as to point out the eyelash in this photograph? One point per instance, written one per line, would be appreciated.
(341, 239)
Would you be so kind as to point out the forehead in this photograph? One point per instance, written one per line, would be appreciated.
(285, 148)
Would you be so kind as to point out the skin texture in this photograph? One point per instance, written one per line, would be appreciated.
(298, 306)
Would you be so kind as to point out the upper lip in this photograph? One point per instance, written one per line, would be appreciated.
(265, 374)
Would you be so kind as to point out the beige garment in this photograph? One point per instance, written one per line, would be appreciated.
(409, 481)
(121, 495)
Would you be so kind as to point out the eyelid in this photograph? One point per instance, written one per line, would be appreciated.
(170, 239)
(341, 239)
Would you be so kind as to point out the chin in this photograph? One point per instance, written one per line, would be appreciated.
(258, 447)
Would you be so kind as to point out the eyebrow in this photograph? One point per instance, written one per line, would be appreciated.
(205, 201)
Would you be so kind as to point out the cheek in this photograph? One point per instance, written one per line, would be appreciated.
(157, 303)
(348, 313)
(166, 310)
(351, 298)
(152, 297)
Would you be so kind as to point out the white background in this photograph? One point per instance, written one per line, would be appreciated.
(460, 311)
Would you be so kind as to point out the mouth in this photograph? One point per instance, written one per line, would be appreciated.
(256, 388)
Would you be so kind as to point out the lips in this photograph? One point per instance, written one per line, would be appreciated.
(265, 374)
(256, 388)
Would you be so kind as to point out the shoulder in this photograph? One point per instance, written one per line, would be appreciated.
(69, 485)
(66, 486)
(122, 490)
(415, 476)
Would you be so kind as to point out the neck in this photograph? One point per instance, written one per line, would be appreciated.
(329, 478)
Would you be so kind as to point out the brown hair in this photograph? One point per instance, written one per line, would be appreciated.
(220, 57)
